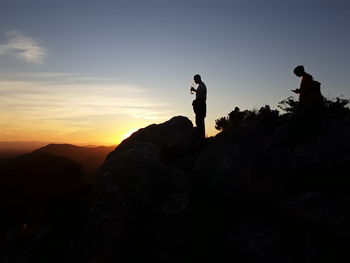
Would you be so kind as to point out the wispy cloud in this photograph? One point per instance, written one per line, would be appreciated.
(73, 95)
(24, 47)
(77, 104)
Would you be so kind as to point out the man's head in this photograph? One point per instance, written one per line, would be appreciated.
(299, 71)
(197, 79)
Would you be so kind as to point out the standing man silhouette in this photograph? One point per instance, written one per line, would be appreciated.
(310, 91)
(306, 85)
(199, 105)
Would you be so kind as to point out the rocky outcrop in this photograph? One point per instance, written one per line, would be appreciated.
(251, 194)
(173, 138)
(273, 201)
(261, 191)
(140, 204)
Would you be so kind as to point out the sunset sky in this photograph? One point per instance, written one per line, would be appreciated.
(92, 72)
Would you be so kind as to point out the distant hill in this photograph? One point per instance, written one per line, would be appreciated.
(46, 187)
(90, 158)
(52, 173)
(10, 150)
(19, 147)
(30, 183)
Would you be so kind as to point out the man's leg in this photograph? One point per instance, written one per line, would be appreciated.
(200, 126)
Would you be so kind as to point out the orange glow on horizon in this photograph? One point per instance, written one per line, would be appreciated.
(106, 133)
(74, 111)
(80, 114)
(128, 134)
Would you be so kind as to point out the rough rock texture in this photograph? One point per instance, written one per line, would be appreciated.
(259, 192)
(248, 195)
(272, 201)
(172, 137)
(140, 204)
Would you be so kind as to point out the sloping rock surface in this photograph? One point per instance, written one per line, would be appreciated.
(248, 195)
(140, 204)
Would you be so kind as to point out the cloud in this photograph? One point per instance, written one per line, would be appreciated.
(69, 99)
(24, 47)
(75, 108)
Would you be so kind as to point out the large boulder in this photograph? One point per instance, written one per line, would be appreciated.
(140, 204)
(248, 195)
(273, 201)
(173, 137)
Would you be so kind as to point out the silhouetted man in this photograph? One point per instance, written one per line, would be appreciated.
(309, 91)
(199, 105)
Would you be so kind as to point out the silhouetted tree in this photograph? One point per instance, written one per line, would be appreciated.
(236, 117)
(337, 107)
(222, 124)
(268, 116)
(288, 105)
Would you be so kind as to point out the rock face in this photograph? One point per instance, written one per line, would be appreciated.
(271, 201)
(140, 204)
(172, 137)
(251, 194)
(265, 190)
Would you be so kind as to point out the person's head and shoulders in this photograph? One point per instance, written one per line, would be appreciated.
(306, 79)
(198, 79)
(300, 72)
(201, 92)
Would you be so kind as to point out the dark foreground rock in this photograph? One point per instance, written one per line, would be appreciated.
(269, 201)
(248, 196)
(140, 207)
(255, 193)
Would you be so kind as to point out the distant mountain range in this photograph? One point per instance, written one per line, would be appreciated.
(47, 182)
(29, 146)
(90, 158)
(19, 147)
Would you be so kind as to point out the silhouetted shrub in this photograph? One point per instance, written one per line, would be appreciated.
(268, 116)
(288, 105)
(222, 124)
(337, 107)
(236, 117)
(250, 115)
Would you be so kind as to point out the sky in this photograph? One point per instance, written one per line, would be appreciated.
(93, 72)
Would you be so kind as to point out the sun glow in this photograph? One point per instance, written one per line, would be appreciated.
(127, 135)
(68, 108)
